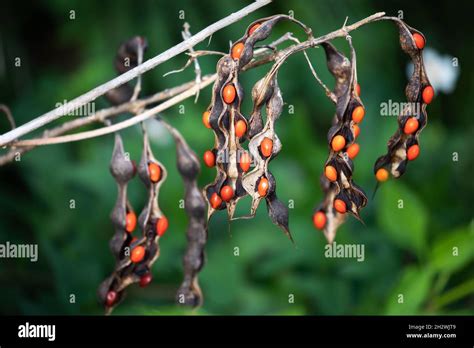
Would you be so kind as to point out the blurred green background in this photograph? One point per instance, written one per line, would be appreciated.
(407, 251)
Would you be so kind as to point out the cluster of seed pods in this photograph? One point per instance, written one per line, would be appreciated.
(341, 194)
(242, 172)
(134, 255)
(235, 178)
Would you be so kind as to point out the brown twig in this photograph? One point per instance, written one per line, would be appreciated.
(186, 34)
(101, 116)
(8, 114)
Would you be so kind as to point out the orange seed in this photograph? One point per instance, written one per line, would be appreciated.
(330, 173)
(353, 150)
(266, 146)
(263, 187)
(382, 175)
(237, 50)
(338, 143)
(137, 254)
(130, 222)
(240, 128)
(358, 114)
(229, 93)
(154, 171)
(209, 159)
(419, 41)
(340, 206)
(205, 119)
(411, 125)
(413, 152)
(319, 220)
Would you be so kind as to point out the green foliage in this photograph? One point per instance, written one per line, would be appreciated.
(459, 242)
(402, 217)
(413, 289)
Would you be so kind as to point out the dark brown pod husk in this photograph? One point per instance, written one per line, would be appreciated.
(343, 70)
(125, 60)
(189, 293)
(395, 160)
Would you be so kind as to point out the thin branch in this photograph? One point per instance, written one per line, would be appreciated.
(138, 85)
(8, 114)
(129, 75)
(193, 58)
(101, 116)
(186, 34)
(280, 57)
(118, 126)
(329, 93)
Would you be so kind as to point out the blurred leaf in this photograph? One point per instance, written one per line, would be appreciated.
(405, 226)
(455, 294)
(442, 256)
(414, 285)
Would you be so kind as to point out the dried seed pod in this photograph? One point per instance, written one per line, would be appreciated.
(189, 293)
(125, 60)
(403, 145)
(341, 193)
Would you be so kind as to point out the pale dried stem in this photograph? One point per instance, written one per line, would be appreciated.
(280, 57)
(129, 75)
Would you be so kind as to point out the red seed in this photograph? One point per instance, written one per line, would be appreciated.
(353, 150)
(209, 159)
(145, 280)
(330, 173)
(130, 222)
(413, 152)
(215, 201)
(358, 114)
(357, 90)
(111, 298)
(428, 94)
(338, 143)
(253, 28)
(240, 128)
(266, 147)
(237, 50)
(229, 93)
(161, 226)
(245, 161)
(205, 119)
(319, 220)
(227, 193)
(263, 186)
(419, 41)
(340, 206)
(154, 171)
(356, 130)
(138, 253)
(411, 125)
